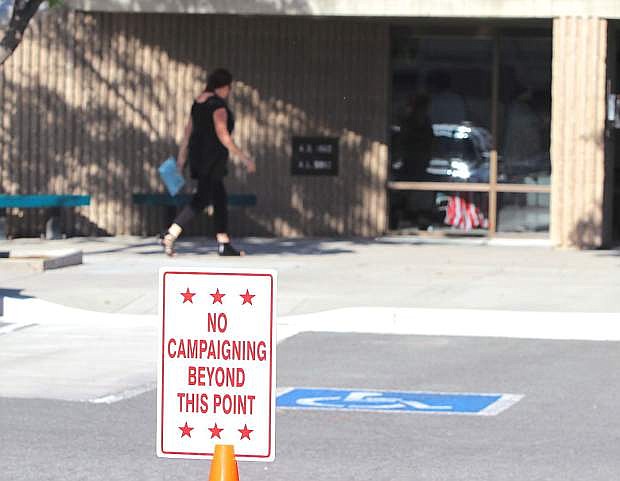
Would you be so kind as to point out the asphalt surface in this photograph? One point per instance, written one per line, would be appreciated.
(565, 427)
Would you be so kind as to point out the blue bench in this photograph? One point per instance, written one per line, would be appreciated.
(53, 202)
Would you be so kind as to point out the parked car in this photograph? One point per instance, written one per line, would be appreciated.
(458, 153)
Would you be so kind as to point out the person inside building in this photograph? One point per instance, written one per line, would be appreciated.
(526, 137)
(207, 144)
(417, 138)
(447, 106)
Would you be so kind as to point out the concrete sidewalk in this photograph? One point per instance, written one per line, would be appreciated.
(119, 274)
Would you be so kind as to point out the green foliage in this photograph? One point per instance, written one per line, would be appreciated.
(54, 3)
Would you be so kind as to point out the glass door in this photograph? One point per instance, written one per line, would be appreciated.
(523, 136)
(469, 133)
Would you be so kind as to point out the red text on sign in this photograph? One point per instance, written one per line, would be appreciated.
(215, 376)
(221, 403)
(217, 322)
(233, 403)
(193, 403)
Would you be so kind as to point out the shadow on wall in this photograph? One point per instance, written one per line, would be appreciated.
(587, 234)
(72, 129)
(111, 93)
(90, 157)
(287, 85)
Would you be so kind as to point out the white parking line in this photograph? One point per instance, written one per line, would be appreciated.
(122, 396)
(506, 401)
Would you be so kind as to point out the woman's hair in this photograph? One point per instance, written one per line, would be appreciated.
(218, 78)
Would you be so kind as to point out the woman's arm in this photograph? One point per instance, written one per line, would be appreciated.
(182, 157)
(220, 119)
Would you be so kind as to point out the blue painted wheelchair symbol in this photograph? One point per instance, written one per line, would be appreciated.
(396, 401)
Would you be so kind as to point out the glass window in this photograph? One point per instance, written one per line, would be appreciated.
(518, 212)
(524, 110)
(461, 212)
(457, 103)
(441, 108)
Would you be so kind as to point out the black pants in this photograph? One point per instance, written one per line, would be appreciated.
(210, 191)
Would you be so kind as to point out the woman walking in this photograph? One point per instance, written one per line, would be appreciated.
(207, 143)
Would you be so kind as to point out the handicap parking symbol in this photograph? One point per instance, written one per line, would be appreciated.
(395, 401)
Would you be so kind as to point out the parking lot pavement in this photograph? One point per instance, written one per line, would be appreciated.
(359, 316)
(564, 427)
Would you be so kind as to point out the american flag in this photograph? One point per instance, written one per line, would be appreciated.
(464, 214)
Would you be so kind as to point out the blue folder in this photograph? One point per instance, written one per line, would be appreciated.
(171, 176)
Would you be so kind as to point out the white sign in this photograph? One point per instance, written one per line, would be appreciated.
(217, 363)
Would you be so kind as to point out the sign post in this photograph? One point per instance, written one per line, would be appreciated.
(217, 361)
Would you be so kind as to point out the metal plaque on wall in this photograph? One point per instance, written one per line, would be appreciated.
(315, 156)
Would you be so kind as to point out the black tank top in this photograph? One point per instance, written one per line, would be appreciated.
(207, 155)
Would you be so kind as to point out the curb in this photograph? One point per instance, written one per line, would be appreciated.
(39, 260)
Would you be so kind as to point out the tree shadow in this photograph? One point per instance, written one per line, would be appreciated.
(254, 246)
(201, 245)
(104, 127)
(68, 167)
(286, 86)
(587, 233)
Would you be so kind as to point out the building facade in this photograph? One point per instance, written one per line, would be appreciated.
(483, 117)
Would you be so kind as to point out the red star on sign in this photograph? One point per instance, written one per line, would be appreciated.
(247, 297)
(187, 296)
(245, 432)
(215, 431)
(217, 297)
(186, 430)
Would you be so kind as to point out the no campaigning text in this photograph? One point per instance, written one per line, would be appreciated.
(231, 377)
(217, 349)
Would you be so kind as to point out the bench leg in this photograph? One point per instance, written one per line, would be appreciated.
(2, 223)
(52, 226)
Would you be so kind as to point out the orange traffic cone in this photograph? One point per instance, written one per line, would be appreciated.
(224, 465)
